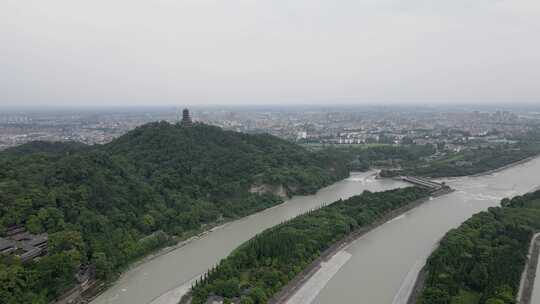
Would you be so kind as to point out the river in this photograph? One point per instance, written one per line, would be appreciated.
(162, 279)
(384, 263)
(378, 268)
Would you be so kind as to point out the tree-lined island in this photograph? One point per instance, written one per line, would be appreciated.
(259, 268)
(482, 261)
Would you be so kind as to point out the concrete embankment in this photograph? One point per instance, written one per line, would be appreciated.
(418, 286)
(526, 285)
(304, 276)
(408, 284)
(309, 291)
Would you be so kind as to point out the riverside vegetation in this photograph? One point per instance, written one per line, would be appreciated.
(481, 261)
(110, 204)
(259, 268)
(472, 161)
(386, 155)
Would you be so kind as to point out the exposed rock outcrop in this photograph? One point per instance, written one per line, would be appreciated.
(278, 190)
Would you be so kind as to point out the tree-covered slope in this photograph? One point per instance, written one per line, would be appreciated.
(47, 147)
(469, 162)
(107, 205)
(203, 159)
(482, 260)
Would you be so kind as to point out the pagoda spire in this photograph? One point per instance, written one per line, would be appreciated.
(186, 118)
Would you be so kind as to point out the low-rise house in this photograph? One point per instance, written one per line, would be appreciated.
(31, 254)
(14, 230)
(7, 246)
(23, 244)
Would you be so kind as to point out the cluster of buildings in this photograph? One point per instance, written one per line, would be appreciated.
(365, 126)
(89, 127)
(306, 125)
(26, 246)
(17, 241)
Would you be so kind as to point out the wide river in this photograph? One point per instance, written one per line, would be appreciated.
(378, 268)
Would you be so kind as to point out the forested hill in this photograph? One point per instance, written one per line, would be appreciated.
(46, 147)
(108, 205)
(205, 158)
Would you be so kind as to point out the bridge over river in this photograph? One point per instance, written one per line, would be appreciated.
(423, 182)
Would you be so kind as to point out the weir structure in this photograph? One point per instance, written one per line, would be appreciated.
(424, 183)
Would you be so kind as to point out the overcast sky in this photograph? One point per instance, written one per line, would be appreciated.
(177, 52)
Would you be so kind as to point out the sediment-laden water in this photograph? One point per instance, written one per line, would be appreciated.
(163, 279)
(379, 268)
(385, 262)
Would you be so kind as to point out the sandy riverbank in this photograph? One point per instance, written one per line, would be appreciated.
(287, 292)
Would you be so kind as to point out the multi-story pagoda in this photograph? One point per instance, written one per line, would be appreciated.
(186, 118)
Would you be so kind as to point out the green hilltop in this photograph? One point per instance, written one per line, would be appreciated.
(107, 205)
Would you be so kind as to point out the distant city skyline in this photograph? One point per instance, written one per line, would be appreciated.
(244, 52)
(314, 125)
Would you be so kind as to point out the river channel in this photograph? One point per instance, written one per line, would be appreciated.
(378, 268)
(162, 279)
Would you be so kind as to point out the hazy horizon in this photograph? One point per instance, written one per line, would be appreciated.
(270, 53)
(381, 107)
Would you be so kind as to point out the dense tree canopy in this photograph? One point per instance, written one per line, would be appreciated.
(481, 261)
(471, 161)
(108, 205)
(387, 155)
